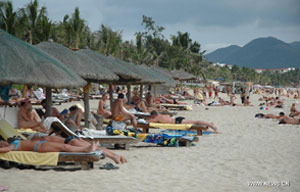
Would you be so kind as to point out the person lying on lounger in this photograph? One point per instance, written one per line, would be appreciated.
(155, 117)
(27, 118)
(103, 107)
(43, 146)
(76, 141)
(120, 113)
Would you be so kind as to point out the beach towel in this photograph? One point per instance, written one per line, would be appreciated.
(31, 158)
(163, 139)
(171, 126)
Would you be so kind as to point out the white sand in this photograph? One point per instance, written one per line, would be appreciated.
(248, 149)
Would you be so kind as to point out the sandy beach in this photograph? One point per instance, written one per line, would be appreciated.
(247, 150)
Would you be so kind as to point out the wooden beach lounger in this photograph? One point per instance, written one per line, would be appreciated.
(60, 129)
(52, 158)
(176, 106)
(198, 128)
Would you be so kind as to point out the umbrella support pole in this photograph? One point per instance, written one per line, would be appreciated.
(48, 102)
(86, 91)
(128, 94)
(141, 92)
(111, 95)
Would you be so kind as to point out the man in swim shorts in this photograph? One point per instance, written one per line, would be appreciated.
(155, 117)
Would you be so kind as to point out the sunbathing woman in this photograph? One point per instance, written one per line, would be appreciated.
(76, 141)
(288, 120)
(43, 146)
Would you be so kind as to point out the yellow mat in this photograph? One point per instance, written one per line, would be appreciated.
(171, 126)
(31, 158)
(7, 131)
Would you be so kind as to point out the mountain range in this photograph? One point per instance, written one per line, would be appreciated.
(261, 53)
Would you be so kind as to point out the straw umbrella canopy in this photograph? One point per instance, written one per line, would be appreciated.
(121, 69)
(166, 76)
(87, 68)
(21, 63)
(182, 75)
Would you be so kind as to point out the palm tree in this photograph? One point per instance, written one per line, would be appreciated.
(74, 26)
(30, 17)
(8, 18)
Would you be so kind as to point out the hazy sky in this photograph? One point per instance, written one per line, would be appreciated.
(213, 23)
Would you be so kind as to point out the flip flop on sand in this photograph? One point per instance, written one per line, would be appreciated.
(3, 188)
(109, 166)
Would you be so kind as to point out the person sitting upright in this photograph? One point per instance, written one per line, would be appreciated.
(294, 112)
(155, 117)
(120, 113)
(28, 118)
(103, 107)
(74, 119)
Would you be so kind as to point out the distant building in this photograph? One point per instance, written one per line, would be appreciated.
(223, 65)
(280, 70)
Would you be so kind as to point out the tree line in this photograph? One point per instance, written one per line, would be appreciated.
(32, 24)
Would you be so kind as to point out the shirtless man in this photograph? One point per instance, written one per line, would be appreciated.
(102, 107)
(55, 112)
(120, 113)
(74, 119)
(28, 118)
(155, 117)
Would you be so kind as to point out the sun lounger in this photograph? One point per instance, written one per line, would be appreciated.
(59, 128)
(176, 106)
(52, 158)
(146, 127)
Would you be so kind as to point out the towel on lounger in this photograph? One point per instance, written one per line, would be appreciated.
(31, 158)
(171, 126)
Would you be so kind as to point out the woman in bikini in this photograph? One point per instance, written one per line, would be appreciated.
(42, 146)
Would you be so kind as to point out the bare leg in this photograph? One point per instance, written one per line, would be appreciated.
(116, 158)
(58, 147)
(210, 125)
(130, 117)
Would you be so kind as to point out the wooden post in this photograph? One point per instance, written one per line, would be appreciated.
(141, 92)
(86, 108)
(154, 90)
(111, 95)
(128, 94)
(86, 91)
(181, 87)
(48, 102)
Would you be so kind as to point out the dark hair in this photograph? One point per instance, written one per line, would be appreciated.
(121, 96)
(281, 114)
(12, 139)
(43, 101)
(73, 108)
(154, 113)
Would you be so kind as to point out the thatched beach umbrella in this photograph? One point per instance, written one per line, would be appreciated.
(182, 75)
(87, 68)
(21, 63)
(121, 69)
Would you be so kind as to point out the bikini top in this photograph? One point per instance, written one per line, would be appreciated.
(16, 143)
